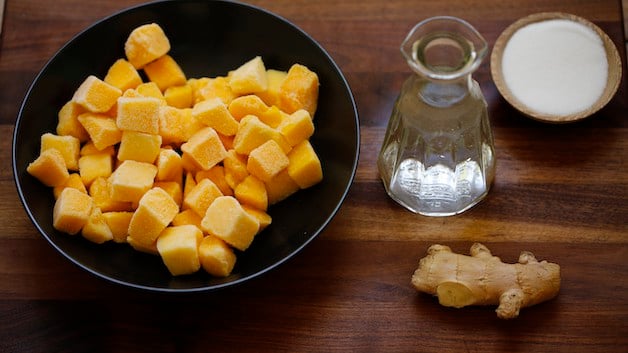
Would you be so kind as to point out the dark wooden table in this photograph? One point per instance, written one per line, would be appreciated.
(560, 192)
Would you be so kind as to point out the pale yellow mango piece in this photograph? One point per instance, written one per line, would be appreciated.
(201, 196)
(249, 78)
(178, 248)
(71, 211)
(262, 217)
(214, 113)
(176, 126)
(226, 219)
(118, 223)
(150, 89)
(141, 247)
(96, 95)
(96, 228)
(169, 166)
(205, 148)
(89, 148)
(253, 133)
(267, 160)
(139, 146)
(235, 168)
(131, 180)
(49, 168)
(271, 95)
(68, 124)
(93, 166)
(145, 44)
(165, 72)
(156, 209)
(138, 114)
(101, 128)
(69, 146)
(216, 257)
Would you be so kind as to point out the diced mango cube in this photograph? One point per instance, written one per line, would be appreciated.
(139, 146)
(267, 160)
(179, 96)
(178, 248)
(150, 89)
(100, 191)
(216, 257)
(272, 117)
(187, 217)
(214, 113)
(271, 95)
(118, 223)
(227, 141)
(305, 167)
(131, 180)
(226, 219)
(71, 211)
(123, 75)
(217, 175)
(96, 95)
(74, 181)
(165, 72)
(49, 168)
(68, 123)
(249, 104)
(101, 128)
(96, 228)
(188, 184)
(169, 166)
(299, 90)
(249, 78)
(201, 196)
(138, 114)
(297, 127)
(251, 191)
(217, 87)
(173, 189)
(262, 217)
(69, 146)
(93, 166)
(280, 187)
(205, 148)
(156, 209)
(235, 168)
(253, 133)
(176, 126)
(145, 44)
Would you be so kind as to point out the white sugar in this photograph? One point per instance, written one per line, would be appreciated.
(555, 67)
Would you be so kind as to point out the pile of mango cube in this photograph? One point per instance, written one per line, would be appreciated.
(184, 168)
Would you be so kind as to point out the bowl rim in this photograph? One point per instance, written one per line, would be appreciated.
(205, 288)
(612, 55)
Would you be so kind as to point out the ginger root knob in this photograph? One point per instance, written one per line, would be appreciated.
(483, 279)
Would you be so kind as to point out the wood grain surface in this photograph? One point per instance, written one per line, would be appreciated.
(561, 191)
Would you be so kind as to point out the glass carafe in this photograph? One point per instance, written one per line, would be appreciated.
(437, 158)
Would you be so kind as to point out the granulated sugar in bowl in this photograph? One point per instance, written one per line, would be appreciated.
(555, 67)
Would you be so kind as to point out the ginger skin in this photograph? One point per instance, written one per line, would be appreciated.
(483, 279)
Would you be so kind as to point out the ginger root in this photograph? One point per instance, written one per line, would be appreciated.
(483, 279)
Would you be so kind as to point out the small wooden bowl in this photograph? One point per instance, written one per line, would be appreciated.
(612, 55)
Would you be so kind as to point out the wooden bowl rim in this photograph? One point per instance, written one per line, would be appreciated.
(612, 55)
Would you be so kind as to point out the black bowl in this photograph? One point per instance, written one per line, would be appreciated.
(208, 38)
